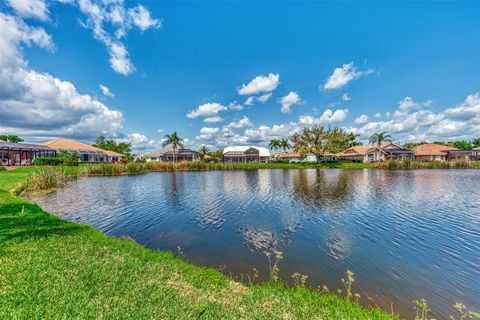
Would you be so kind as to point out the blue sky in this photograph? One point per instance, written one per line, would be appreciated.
(411, 69)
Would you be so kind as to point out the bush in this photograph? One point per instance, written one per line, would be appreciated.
(47, 161)
(415, 164)
(69, 158)
(45, 179)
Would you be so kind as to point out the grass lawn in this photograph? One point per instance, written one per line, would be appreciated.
(52, 269)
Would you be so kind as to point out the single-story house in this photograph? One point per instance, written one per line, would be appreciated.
(475, 154)
(246, 154)
(166, 155)
(87, 152)
(372, 153)
(437, 152)
(297, 157)
(15, 154)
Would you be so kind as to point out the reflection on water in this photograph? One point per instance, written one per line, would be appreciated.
(406, 234)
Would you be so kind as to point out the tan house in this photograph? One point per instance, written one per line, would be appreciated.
(372, 153)
(437, 152)
(86, 152)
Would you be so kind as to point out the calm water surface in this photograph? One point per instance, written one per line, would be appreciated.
(405, 234)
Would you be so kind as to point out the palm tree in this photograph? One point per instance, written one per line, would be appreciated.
(275, 144)
(379, 137)
(476, 142)
(285, 144)
(175, 141)
(203, 151)
(352, 139)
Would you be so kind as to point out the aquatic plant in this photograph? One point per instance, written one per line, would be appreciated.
(421, 308)
(45, 179)
(414, 164)
(273, 265)
(299, 279)
(465, 314)
(348, 282)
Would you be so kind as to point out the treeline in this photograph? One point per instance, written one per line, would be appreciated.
(460, 144)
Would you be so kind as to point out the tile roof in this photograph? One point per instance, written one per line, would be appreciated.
(69, 144)
(290, 154)
(357, 150)
(431, 149)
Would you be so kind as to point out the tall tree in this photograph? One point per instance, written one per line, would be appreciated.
(463, 144)
(124, 148)
(203, 151)
(11, 138)
(352, 139)
(285, 144)
(379, 138)
(274, 144)
(476, 142)
(175, 141)
(318, 141)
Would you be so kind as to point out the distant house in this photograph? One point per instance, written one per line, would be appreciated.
(372, 153)
(86, 152)
(246, 154)
(437, 152)
(15, 154)
(297, 157)
(475, 156)
(166, 155)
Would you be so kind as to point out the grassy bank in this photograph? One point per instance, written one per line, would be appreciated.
(52, 269)
(109, 169)
(412, 164)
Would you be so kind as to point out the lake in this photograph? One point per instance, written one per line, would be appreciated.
(405, 234)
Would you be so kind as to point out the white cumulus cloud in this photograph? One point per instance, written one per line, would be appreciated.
(206, 110)
(289, 100)
(39, 104)
(106, 91)
(30, 8)
(328, 117)
(260, 84)
(361, 119)
(341, 76)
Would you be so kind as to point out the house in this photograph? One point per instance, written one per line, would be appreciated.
(166, 155)
(297, 157)
(372, 153)
(86, 152)
(475, 156)
(15, 154)
(246, 154)
(437, 152)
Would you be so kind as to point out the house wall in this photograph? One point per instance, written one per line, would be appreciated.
(430, 158)
(14, 157)
(374, 156)
(353, 157)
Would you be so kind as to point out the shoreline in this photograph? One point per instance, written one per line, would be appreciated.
(60, 251)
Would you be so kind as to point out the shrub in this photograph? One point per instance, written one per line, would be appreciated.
(414, 164)
(45, 179)
(47, 161)
(69, 158)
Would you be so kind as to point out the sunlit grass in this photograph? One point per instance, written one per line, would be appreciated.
(54, 269)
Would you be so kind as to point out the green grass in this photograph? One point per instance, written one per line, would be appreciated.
(54, 269)
(108, 169)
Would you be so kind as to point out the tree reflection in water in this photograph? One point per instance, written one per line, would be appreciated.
(318, 191)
